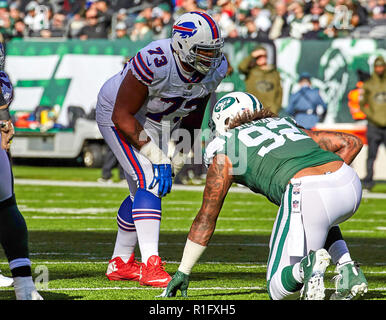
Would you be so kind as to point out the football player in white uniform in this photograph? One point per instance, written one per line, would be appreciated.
(164, 87)
(13, 230)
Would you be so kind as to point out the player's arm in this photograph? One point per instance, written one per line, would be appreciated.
(131, 96)
(218, 182)
(345, 145)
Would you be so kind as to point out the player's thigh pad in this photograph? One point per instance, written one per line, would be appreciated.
(137, 167)
(6, 183)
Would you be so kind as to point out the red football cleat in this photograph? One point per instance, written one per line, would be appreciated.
(153, 273)
(118, 270)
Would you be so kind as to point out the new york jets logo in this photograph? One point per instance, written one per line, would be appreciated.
(224, 104)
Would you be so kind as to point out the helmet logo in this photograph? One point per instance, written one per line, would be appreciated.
(224, 104)
(185, 29)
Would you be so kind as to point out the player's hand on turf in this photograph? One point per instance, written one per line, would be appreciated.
(180, 281)
(162, 177)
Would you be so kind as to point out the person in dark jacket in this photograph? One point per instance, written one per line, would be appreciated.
(306, 105)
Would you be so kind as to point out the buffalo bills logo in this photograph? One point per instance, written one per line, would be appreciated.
(185, 29)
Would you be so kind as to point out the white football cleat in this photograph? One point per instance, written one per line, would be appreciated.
(313, 267)
(5, 281)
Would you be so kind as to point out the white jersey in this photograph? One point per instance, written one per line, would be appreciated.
(171, 97)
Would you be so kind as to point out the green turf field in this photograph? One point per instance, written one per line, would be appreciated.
(72, 233)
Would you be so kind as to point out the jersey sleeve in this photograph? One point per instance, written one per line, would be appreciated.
(6, 94)
(214, 147)
(150, 64)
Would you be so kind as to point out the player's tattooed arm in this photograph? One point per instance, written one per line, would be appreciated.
(218, 181)
(345, 145)
(131, 96)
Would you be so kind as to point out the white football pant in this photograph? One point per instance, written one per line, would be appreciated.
(310, 206)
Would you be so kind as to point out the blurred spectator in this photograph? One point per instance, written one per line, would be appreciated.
(37, 18)
(377, 9)
(57, 27)
(104, 13)
(20, 29)
(249, 30)
(262, 80)
(159, 28)
(14, 12)
(280, 27)
(261, 18)
(300, 23)
(373, 104)
(92, 29)
(306, 104)
(226, 19)
(166, 15)
(75, 26)
(253, 19)
(354, 95)
(121, 31)
(141, 30)
(317, 32)
(5, 21)
(186, 6)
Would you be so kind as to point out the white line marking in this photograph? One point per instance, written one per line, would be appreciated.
(369, 195)
(152, 288)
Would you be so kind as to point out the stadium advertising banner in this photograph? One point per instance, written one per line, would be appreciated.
(70, 73)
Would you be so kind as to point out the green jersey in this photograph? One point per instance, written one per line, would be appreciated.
(267, 153)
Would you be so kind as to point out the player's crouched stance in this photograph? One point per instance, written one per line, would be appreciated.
(165, 87)
(303, 176)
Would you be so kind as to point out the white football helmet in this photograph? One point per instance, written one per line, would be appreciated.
(229, 106)
(195, 31)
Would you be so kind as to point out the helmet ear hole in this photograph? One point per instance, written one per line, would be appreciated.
(226, 121)
(180, 45)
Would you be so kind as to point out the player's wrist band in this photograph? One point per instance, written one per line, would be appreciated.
(4, 114)
(191, 255)
(151, 151)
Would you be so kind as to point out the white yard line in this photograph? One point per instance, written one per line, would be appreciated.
(161, 289)
(37, 182)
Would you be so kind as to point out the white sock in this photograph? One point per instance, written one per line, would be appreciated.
(345, 258)
(24, 286)
(148, 236)
(339, 252)
(124, 244)
(298, 276)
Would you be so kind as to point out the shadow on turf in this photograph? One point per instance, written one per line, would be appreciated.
(98, 246)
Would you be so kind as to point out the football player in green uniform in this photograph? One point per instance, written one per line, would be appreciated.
(304, 173)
